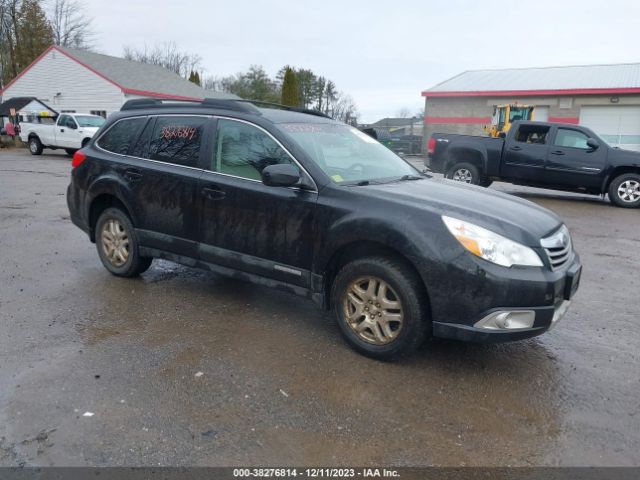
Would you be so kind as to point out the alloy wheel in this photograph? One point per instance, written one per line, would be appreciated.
(115, 242)
(462, 175)
(629, 191)
(373, 310)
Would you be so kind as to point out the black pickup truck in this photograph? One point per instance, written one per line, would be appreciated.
(538, 154)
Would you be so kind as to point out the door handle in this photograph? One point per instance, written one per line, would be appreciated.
(516, 148)
(213, 193)
(62, 129)
(132, 175)
(557, 152)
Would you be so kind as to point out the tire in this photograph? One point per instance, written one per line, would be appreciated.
(485, 182)
(84, 142)
(35, 146)
(403, 288)
(464, 172)
(624, 190)
(114, 228)
(70, 151)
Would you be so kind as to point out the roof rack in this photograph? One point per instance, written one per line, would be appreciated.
(222, 104)
(308, 111)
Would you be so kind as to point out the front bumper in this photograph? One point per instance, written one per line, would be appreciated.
(540, 300)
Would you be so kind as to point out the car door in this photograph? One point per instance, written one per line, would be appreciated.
(161, 173)
(246, 225)
(525, 153)
(572, 162)
(66, 132)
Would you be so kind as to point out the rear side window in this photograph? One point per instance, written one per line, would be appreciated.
(532, 134)
(177, 140)
(120, 137)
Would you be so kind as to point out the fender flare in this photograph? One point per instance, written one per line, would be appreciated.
(109, 185)
(454, 152)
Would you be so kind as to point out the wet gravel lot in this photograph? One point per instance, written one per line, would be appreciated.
(182, 367)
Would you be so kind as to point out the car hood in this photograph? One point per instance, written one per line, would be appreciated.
(507, 215)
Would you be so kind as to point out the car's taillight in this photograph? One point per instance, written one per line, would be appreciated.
(431, 146)
(78, 158)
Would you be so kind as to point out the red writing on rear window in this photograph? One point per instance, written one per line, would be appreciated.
(173, 132)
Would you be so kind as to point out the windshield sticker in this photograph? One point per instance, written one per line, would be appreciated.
(302, 128)
(172, 132)
(337, 178)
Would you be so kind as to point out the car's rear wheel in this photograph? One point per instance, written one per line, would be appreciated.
(35, 146)
(117, 244)
(70, 151)
(380, 307)
(624, 190)
(464, 172)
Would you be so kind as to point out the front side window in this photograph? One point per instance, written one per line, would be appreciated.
(177, 140)
(121, 135)
(243, 150)
(346, 154)
(571, 138)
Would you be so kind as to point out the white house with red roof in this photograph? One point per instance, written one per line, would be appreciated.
(72, 80)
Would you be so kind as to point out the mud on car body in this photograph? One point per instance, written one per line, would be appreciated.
(303, 203)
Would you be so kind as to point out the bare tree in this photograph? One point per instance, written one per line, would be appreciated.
(404, 112)
(167, 55)
(71, 27)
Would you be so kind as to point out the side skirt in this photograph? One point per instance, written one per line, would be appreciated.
(316, 297)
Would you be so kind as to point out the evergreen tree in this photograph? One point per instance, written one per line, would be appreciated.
(196, 79)
(290, 93)
(33, 33)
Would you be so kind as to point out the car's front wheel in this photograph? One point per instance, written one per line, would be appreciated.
(117, 244)
(380, 307)
(624, 190)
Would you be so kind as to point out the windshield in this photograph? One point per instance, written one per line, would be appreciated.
(346, 154)
(89, 121)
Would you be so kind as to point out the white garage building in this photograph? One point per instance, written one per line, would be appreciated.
(605, 98)
(79, 81)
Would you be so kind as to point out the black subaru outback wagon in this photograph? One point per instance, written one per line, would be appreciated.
(301, 202)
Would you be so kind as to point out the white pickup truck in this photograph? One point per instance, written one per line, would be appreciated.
(70, 131)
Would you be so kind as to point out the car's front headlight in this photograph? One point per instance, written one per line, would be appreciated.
(491, 246)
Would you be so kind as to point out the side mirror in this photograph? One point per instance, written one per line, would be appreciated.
(281, 175)
(592, 143)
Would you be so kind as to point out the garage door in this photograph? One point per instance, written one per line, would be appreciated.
(541, 113)
(619, 126)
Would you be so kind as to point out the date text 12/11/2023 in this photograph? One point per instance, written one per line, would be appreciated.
(315, 473)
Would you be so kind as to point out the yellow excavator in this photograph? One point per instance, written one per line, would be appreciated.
(504, 115)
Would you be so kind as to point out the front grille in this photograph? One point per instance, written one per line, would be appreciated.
(558, 248)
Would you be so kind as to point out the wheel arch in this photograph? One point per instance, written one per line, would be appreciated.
(466, 154)
(616, 172)
(358, 249)
(99, 203)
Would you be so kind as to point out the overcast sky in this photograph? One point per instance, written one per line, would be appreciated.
(382, 53)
